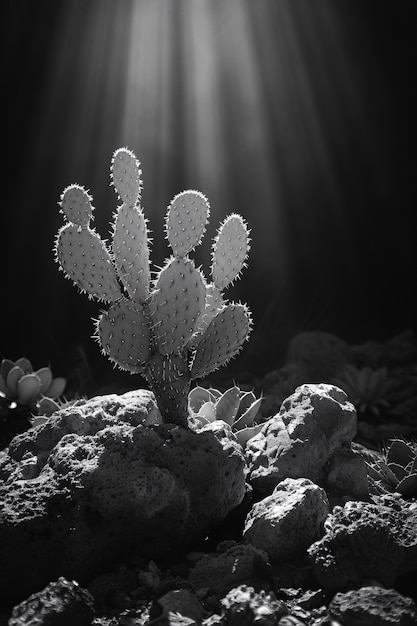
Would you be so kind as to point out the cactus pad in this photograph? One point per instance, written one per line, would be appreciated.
(131, 251)
(176, 304)
(84, 258)
(186, 221)
(230, 250)
(126, 174)
(214, 302)
(76, 205)
(124, 335)
(222, 340)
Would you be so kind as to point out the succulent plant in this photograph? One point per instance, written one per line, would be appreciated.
(235, 407)
(176, 327)
(25, 394)
(367, 389)
(396, 469)
(21, 386)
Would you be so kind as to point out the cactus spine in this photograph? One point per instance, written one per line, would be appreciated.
(176, 327)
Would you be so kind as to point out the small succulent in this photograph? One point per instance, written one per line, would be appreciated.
(26, 397)
(367, 389)
(21, 386)
(235, 407)
(176, 327)
(396, 469)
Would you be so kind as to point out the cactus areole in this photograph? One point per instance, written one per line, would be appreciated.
(176, 327)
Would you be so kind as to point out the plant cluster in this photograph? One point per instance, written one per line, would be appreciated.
(176, 327)
(367, 389)
(396, 470)
(22, 387)
(237, 408)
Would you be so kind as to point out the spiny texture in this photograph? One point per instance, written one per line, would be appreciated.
(76, 205)
(178, 326)
(230, 249)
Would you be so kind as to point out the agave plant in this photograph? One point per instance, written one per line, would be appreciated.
(367, 389)
(22, 387)
(396, 469)
(235, 407)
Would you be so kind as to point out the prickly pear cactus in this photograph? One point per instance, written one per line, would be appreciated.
(176, 327)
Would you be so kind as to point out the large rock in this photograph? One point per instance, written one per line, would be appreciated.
(366, 540)
(288, 521)
(373, 606)
(315, 423)
(96, 485)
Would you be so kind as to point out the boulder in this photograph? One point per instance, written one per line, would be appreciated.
(315, 423)
(104, 485)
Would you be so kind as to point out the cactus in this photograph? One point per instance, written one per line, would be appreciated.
(176, 327)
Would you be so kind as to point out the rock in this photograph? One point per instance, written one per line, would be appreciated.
(62, 603)
(313, 423)
(244, 606)
(235, 566)
(366, 540)
(373, 606)
(288, 521)
(182, 602)
(108, 488)
(322, 355)
(347, 474)
(278, 385)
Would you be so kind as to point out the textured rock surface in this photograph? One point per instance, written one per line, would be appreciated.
(373, 606)
(289, 520)
(243, 605)
(62, 602)
(101, 487)
(313, 424)
(367, 540)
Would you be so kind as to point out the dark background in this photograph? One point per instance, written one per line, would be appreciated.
(299, 115)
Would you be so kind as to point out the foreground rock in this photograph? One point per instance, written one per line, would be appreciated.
(288, 521)
(310, 438)
(367, 541)
(95, 486)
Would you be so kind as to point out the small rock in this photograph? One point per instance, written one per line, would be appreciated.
(243, 606)
(182, 602)
(237, 565)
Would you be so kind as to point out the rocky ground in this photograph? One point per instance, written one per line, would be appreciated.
(311, 522)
